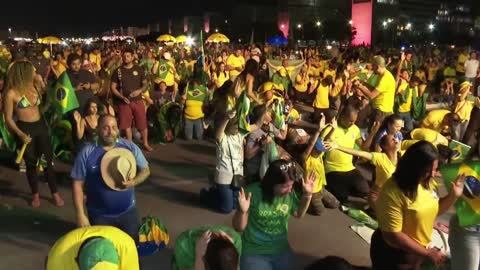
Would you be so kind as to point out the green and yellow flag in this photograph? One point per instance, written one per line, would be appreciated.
(460, 151)
(8, 138)
(62, 95)
(153, 236)
(467, 206)
(163, 69)
(243, 109)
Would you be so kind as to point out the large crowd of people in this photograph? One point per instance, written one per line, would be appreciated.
(397, 109)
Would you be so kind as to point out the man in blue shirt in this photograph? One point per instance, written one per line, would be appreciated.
(106, 206)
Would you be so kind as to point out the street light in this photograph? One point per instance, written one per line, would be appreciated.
(282, 26)
(431, 27)
(350, 22)
(299, 26)
(10, 31)
(408, 26)
(216, 30)
(390, 20)
(318, 23)
(384, 23)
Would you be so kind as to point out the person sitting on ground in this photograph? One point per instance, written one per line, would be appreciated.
(94, 247)
(343, 179)
(208, 248)
(313, 163)
(385, 162)
(263, 213)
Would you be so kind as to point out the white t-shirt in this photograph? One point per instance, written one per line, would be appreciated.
(229, 150)
(471, 68)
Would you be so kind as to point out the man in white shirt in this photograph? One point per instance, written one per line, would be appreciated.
(471, 68)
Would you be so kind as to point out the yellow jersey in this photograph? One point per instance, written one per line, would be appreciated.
(386, 93)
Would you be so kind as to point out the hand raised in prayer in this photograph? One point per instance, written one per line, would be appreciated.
(309, 183)
(202, 243)
(244, 201)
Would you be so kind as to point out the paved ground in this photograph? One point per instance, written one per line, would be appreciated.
(179, 171)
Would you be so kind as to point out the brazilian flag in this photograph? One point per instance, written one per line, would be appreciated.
(62, 95)
(163, 69)
(243, 109)
(467, 206)
(460, 151)
(153, 236)
(8, 138)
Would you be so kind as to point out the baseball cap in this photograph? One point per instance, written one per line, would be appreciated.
(98, 254)
(379, 61)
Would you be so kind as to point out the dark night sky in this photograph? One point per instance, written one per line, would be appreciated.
(53, 16)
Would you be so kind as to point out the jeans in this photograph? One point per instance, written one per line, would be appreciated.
(129, 222)
(266, 262)
(222, 198)
(407, 119)
(464, 246)
(192, 126)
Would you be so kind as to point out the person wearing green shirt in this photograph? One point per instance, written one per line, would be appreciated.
(263, 212)
(212, 247)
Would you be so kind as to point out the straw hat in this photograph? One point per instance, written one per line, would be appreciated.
(118, 165)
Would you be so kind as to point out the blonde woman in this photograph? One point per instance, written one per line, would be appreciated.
(22, 100)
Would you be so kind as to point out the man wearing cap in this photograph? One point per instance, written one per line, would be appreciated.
(94, 248)
(106, 171)
(382, 95)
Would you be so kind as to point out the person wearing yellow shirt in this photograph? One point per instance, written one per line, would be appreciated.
(343, 179)
(164, 70)
(383, 94)
(385, 162)
(441, 120)
(96, 58)
(321, 104)
(406, 210)
(404, 100)
(429, 135)
(331, 71)
(235, 64)
(59, 65)
(464, 106)
(313, 163)
(220, 76)
(462, 58)
(94, 248)
(194, 97)
(301, 85)
(421, 74)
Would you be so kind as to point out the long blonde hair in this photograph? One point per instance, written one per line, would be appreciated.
(20, 76)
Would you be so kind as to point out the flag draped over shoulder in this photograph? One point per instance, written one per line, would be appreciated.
(163, 69)
(467, 206)
(62, 95)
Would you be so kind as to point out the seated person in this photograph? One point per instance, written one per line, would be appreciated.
(343, 179)
(208, 247)
(94, 247)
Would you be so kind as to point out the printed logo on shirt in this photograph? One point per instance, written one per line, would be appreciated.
(283, 208)
(135, 73)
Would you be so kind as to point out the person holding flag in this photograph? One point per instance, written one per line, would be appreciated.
(22, 100)
(464, 233)
(164, 71)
